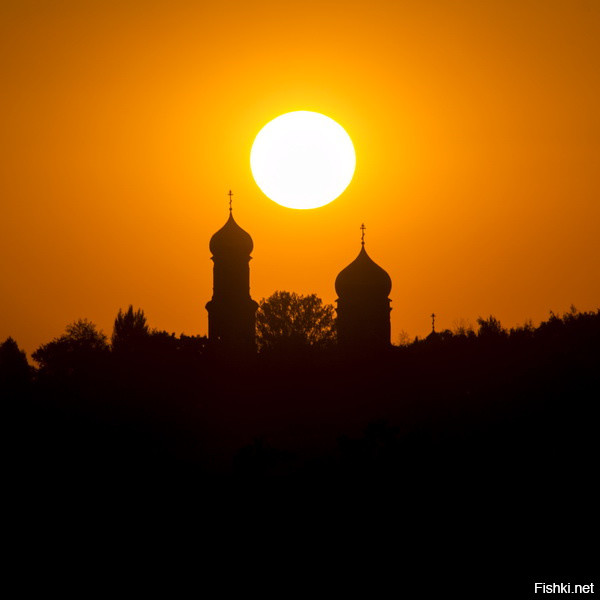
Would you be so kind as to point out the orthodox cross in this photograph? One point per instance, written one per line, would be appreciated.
(433, 322)
(362, 235)
(230, 194)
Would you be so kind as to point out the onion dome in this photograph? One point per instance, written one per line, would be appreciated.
(363, 277)
(231, 239)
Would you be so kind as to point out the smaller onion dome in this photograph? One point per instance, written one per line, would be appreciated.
(363, 276)
(231, 239)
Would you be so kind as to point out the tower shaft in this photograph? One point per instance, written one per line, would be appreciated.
(363, 323)
(231, 311)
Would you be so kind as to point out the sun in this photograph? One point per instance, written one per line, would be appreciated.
(302, 159)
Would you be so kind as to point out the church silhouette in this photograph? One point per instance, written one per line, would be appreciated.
(363, 304)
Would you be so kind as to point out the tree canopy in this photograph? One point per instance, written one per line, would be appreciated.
(293, 321)
(130, 330)
(81, 345)
(14, 367)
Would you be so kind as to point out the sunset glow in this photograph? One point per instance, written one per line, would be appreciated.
(475, 125)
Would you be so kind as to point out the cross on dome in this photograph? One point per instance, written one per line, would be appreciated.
(231, 239)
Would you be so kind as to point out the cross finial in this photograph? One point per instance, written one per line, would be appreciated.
(432, 322)
(362, 234)
(230, 194)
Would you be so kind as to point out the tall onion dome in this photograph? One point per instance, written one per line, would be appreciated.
(363, 306)
(231, 311)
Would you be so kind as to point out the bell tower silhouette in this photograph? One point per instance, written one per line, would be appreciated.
(363, 306)
(231, 311)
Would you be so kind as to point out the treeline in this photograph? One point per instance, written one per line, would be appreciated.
(489, 425)
(156, 398)
(484, 436)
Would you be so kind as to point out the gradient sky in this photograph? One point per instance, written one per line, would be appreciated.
(124, 124)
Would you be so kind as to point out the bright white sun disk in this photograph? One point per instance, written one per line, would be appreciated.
(302, 159)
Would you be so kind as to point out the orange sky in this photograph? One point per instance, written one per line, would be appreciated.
(124, 124)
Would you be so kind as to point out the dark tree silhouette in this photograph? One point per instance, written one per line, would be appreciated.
(490, 328)
(466, 427)
(290, 320)
(14, 368)
(81, 346)
(130, 330)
